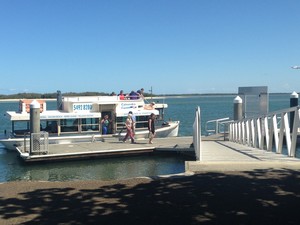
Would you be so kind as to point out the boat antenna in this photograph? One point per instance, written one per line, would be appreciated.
(151, 93)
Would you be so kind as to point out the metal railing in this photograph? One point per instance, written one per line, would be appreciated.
(216, 126)
(269, 131)
(197, 135)
(39, 143)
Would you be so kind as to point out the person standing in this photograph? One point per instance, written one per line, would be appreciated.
(141, 93)
(133, 122)
(129, 130)
(151, 127)
(133, 95)
(121, 95)
(105, 124)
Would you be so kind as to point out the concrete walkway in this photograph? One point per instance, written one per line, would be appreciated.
(229, 156)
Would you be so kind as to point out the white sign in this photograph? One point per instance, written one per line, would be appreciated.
(82, 107)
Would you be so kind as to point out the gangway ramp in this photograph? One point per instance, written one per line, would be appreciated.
(218, 156)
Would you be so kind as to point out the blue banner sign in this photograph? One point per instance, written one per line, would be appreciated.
(129, 105)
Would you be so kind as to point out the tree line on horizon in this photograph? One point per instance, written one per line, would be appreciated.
(54, 95)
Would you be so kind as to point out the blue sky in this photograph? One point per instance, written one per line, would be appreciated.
(173, 46)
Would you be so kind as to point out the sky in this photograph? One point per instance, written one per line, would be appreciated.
(171, 46)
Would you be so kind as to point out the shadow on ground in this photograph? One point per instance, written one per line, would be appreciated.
(258, 197)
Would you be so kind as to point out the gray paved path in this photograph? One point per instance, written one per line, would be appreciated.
(229, 156)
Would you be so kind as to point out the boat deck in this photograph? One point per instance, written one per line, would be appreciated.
(107, 148)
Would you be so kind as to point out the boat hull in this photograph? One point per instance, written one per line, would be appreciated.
(170, 130)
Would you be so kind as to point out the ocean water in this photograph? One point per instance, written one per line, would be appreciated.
(179, 108)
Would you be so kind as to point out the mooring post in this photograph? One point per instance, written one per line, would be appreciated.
(293, 102)
(34, 124)
(237, 108)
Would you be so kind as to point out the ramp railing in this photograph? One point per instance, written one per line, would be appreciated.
(197, 135)
(215, 126)
(275, 130)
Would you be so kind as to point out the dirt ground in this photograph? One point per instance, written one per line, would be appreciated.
(253, 197)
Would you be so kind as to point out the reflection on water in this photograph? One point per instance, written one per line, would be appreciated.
(12, 168)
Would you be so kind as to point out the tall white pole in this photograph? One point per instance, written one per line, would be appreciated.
(237, 108)
(34, 123)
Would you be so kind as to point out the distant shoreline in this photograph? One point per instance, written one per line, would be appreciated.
(154, 97)
(18, 99)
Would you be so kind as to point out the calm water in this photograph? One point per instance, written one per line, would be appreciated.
(183, 109)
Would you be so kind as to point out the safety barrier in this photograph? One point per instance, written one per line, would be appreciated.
(269, 131)
(39, 143)
(197, 135)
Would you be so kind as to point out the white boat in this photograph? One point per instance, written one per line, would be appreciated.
(77, 119)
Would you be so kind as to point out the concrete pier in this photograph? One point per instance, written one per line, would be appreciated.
(220, 156)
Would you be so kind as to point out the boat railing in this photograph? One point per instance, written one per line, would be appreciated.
(26, 142)
(36, 143)
(269, 132)
(8, 134)
(197, 135)
(217, 126)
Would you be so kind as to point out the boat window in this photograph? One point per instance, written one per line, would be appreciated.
(90, 124)
(141, 121)
(49, 126)
(20, 127)
(120, 122)
(69, 125)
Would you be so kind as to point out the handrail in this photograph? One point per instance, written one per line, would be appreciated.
(217, 127)
(266, 132)
(197, 135)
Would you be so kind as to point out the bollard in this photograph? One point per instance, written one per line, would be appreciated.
(34, 125)
(293, 102)
(237, 108)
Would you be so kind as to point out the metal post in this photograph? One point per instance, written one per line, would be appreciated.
(237, 108)
(293, 102)
(34, 123)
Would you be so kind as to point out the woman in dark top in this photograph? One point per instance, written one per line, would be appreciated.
(151, 127)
